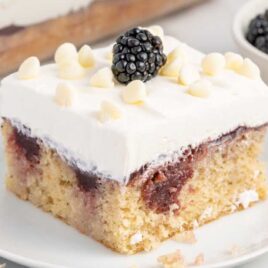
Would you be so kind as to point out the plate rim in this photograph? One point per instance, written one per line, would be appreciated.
(32, 262)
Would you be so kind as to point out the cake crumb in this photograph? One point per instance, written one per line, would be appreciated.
(234, 250)
(187, 237)
(172, 260)
(134, 266)
(199, 259)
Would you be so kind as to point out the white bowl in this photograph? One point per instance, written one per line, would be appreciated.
(240, 27)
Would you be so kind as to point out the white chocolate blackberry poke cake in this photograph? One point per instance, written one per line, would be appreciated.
(133, 143)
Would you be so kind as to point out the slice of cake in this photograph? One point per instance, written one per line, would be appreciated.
(134, 146)
(39, 26)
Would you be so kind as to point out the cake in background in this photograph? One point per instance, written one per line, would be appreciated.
(38, 27)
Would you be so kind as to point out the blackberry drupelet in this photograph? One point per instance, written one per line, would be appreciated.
(257, 33)
(137, 55)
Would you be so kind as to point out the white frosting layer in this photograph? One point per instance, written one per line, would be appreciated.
(24, 13)
(168, 122)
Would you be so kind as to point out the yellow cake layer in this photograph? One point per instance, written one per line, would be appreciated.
(118, 215)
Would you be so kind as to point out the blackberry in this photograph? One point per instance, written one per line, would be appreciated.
(137, 55)
(257, 33)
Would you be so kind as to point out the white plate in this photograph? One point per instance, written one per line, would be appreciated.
(31, 237)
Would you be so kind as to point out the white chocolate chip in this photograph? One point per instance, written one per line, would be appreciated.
(200, 89)
(65, 53)
(250, 69)
(136, 238)
(109, 111)
(177, 53)
(188, 75)
(64, 95)
(172, 68)
(86, 56)
(103, 78)
(29, 69)
(156, 30)
(134, 92)
(213, 64)
(233, 61)
(71, 70)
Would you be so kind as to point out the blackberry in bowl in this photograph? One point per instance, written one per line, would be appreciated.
(137, 55)
(257, 33)
(250, 31)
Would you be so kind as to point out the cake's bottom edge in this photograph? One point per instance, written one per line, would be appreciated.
(211, 181)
